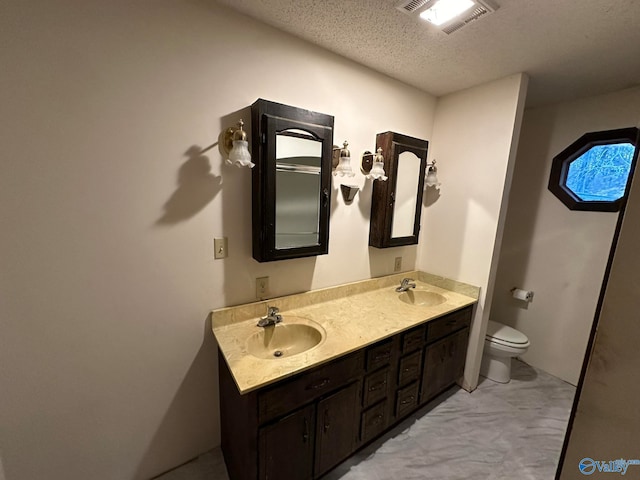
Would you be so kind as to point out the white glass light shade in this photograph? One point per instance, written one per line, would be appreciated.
(344, 168)
(432, 178)
(239, 154)
(377, 172)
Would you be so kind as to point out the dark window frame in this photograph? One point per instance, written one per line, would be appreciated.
(561, 162)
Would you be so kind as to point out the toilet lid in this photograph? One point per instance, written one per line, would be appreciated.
(497, 332)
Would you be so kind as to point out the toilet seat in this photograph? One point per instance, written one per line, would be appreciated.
(504, 335)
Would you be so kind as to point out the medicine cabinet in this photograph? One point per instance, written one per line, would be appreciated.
(292, 149)
(396, 203)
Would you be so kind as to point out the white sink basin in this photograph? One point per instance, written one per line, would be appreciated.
(294, 335)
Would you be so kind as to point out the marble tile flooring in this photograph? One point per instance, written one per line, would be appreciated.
(498, 432)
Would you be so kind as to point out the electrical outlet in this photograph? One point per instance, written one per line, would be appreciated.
(220, 248)
(397, 266)
(262, 287)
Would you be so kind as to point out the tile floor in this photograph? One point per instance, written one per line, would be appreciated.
(499, 432)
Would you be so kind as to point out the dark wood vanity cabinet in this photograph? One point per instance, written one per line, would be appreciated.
(336, 428)
(443, 363)
(298, 428)
(326, 432)
(286, 448)
(302, 427)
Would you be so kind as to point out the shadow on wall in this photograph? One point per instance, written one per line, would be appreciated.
(191, 396)
(520, 223)
(197, 187)
(364, 199)
(431, 196)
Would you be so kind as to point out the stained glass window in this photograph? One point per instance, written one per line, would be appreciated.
(601, 172)
(593, 172)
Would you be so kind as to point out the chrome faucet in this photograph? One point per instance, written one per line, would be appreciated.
(273, 317)
(406, 284)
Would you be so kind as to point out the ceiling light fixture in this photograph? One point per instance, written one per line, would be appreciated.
(445, 10)
(448, 15)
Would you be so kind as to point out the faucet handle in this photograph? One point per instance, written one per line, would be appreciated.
(271, 311)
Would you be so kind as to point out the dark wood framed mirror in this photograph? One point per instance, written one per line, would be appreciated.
(291, 195)
(396, 203)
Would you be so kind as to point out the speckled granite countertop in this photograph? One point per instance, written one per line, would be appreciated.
(353, 316)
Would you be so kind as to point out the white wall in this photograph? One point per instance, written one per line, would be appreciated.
(475, 138)
(558, 253)
(606, 425)
(108, 369)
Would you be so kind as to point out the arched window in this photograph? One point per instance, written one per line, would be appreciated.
(592, 173)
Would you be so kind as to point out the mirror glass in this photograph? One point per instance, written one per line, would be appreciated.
(404, 210)
(298, 167)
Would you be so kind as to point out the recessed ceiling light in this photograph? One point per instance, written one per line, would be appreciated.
(444, 10)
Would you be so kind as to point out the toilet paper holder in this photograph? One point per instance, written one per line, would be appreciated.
(520, 294)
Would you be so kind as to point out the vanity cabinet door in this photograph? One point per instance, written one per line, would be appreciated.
(286, 447)
(443, 364)
(336, 428)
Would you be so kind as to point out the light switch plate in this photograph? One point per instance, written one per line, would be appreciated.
(220, 246)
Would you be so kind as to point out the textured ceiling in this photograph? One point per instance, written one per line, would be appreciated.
(569, 48)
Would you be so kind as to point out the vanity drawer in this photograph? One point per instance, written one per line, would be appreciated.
(409, 368)
(376, 386)
(448, 324)
(373, 421)
(379, 355)
(407, 399)
(303, 388)
(413, 339)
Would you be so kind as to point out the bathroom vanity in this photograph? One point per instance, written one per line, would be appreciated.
(381, 355)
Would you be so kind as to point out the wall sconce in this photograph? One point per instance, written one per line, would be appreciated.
(373, 165)
(432, 175)
(237, 147)
(344, 163)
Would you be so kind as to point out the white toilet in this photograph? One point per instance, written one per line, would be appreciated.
(501, 344)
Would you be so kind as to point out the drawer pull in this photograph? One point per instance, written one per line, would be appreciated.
(321, 384)
(326, 422)
(382, 356)
(408, 400)
(377, 386)
(305, 432)
(377, 419)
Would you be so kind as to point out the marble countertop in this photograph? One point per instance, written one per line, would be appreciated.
(353, 316)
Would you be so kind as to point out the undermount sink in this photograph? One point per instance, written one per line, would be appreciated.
(423, 298)
(292, 336)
